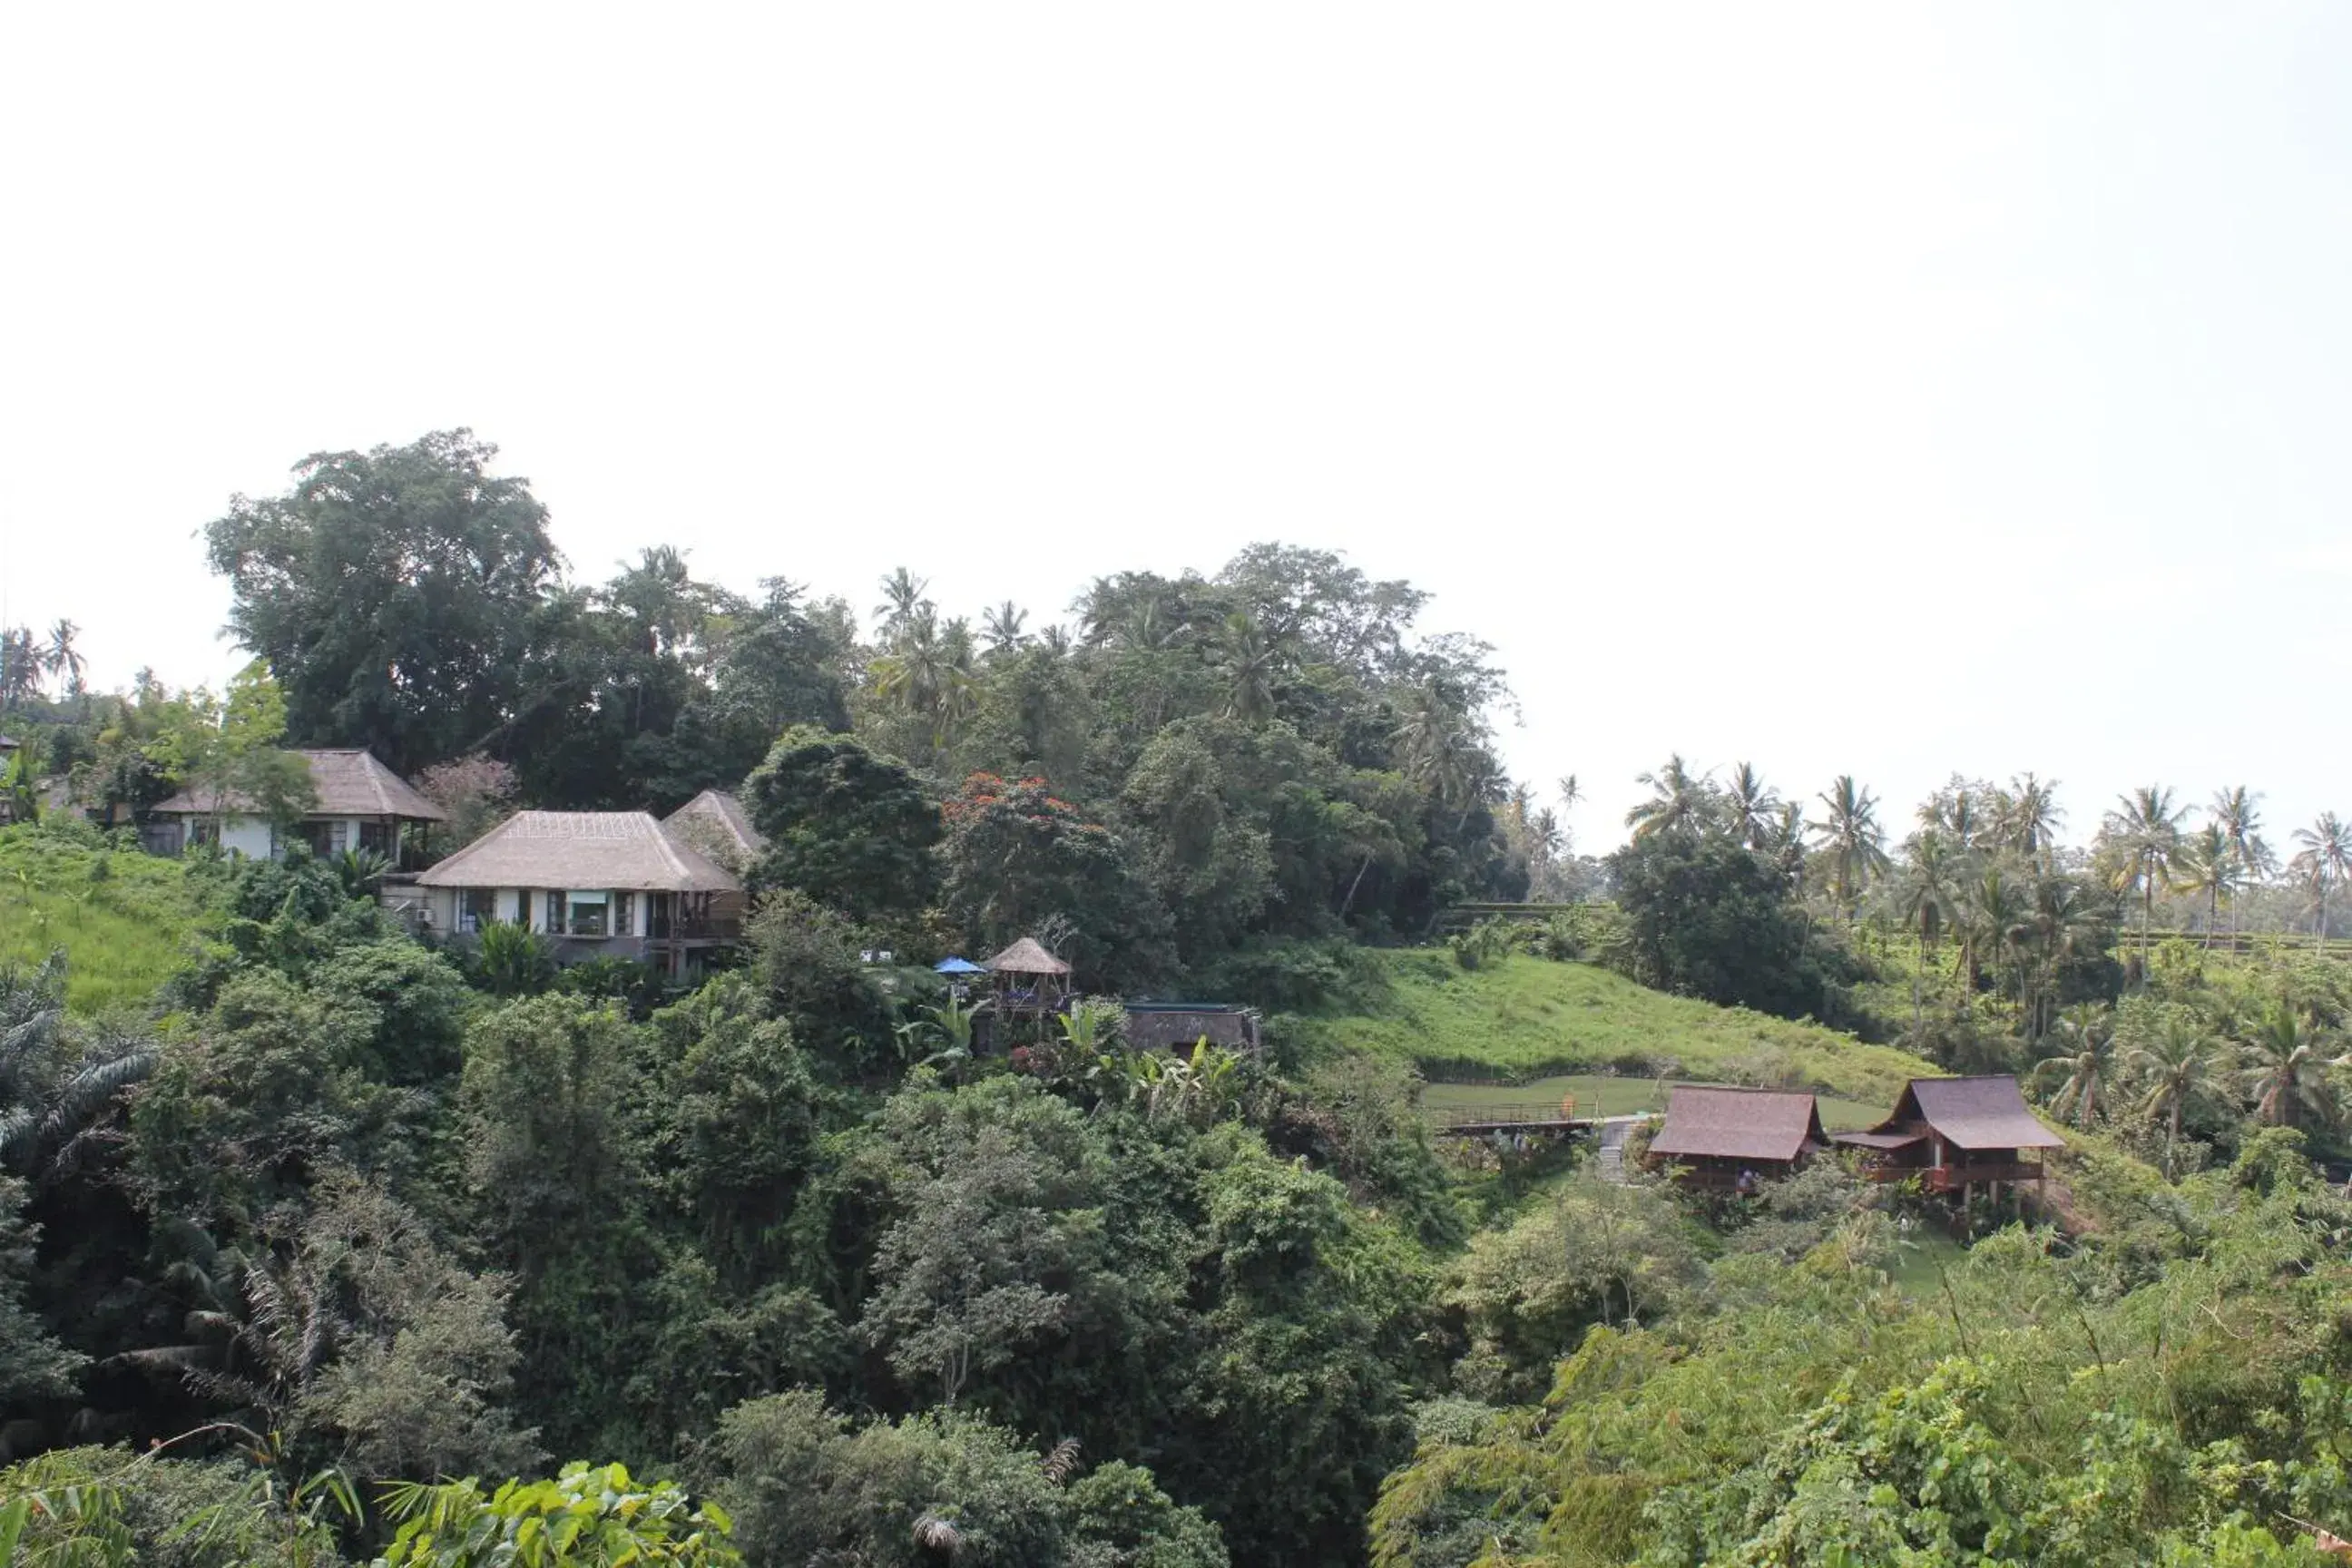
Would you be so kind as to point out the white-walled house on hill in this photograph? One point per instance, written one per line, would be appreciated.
(597, 883)
(361, 805)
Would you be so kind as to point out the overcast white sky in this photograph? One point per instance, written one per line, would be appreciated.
(1881, 388)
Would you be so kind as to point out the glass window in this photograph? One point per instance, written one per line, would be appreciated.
(588, 913)
(477, 906)
(522, 908)
(623, 907)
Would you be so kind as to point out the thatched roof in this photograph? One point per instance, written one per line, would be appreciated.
(1157, 1027)
(1026, 957)
(623, 851)
(721, 815)
(1738, 1123)
(349, 782)
(1972, 1113)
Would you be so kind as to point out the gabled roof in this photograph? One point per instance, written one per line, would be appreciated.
(1738, 1123)
(348, 781)
(1972, 1113)
(626, 850)
(1026, 957)
(717, 812)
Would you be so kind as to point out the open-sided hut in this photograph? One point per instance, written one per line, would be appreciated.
(1027, 976)
(1957, 1133)
(1734, 1138)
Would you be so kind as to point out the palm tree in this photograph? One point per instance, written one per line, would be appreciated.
(2031, 817)
(63, 661)
(1851, 838)
(1252, 665)
(2238, 811)
(1996, 916)
(2144, 835)
(2208, 864)
(1002, 627)
(21, 663)
(2325, 860)
(2180, 1064)
(2085, 1068)
(1750, 805)
(902, 598)
(1678, 798)
(1439, 749)
(1926, 900)
(2287, 1070)
(1571, 791)
(1956, 812)
(2058, 923)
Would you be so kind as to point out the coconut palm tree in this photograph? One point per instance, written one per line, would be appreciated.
(1927, 902)
(1750, 805)
(62, 659)
(2239, 813)
(2286, 1069)
(2029, 818)
(1852, 839)
(2325, 860)
(1996, 916)
(902, 598)
(1571, 791)
(2142, 839)
(2209, 865)
(1678, 798)
(2085, 1066)
(1002, 627)
(2060, 921)
(1958, 812)
(2181, 1063)
(1251, 662)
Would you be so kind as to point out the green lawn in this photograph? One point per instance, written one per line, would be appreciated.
(1527, 1018)
(126, 920)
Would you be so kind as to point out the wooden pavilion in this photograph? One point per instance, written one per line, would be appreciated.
(1029, 979)
(1734, 1139)
(1956, 1134)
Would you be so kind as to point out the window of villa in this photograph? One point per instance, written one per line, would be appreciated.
(588, 913)
(477, 906)
(623, 907)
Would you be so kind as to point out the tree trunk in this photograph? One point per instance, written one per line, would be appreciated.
(1348, 901)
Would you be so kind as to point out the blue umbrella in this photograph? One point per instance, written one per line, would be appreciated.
(958, 966)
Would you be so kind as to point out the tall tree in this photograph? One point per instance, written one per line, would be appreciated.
(1851, 839)
(1678, 799)
(1750, 805)
(2142, 837)
(63, 659)
(2180, 1065)
(847, 827)
(2030, 817)
(2085, 1067)
(2286, 1068)
(395, 594)
(902, 600)
(2323, 862)
(2209, 865)
(1001, 625)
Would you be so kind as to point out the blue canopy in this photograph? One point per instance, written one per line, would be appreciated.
(958, 966)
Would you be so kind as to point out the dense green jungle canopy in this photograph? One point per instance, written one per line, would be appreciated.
(314, 1236)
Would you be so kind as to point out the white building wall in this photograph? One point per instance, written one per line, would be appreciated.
(247, 836)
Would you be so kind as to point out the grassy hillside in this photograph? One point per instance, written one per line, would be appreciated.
(1530, 1018)
(125, 919)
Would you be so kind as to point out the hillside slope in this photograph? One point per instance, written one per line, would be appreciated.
(125, 919)
(1527, 1017)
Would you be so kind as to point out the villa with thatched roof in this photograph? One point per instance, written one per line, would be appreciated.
(1735, 1137)
(597, 883)
(359, 804)
(1956, 1134)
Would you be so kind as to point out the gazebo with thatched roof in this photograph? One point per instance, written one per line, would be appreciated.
(1029, 978)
